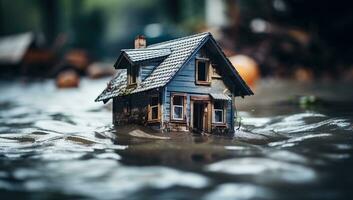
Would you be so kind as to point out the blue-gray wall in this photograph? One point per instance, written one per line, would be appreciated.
(184, 82)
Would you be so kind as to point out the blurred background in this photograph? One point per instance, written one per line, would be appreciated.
(295, 139)
(295, 39)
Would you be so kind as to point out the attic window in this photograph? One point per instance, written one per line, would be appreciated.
(132, 75)
(202, 71)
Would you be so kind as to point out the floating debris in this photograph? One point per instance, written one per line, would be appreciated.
(67, 79)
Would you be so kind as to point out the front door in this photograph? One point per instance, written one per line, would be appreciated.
(200, 116)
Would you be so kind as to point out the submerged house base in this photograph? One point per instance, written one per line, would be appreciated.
(198, 109)
(185, 84)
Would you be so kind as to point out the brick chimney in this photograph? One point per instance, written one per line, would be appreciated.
(140, 42)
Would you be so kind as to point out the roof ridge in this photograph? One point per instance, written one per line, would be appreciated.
(145, 49)
(178, 39)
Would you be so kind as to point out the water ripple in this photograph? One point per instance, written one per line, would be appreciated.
(239, 191)
(264, 169)
(59, 142)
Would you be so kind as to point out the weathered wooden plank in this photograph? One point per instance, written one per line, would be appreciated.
(190, 90)
(200, 98)
(184, 78)
(183, 84)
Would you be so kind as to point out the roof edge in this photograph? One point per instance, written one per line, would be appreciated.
(194, 51)
(235, 72)
(181, 38)
(124, 54)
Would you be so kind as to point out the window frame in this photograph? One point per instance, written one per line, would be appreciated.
(223, 110)
(207, 73)
(183, 96)
(182, 112)
(150, 108)
(130, 74)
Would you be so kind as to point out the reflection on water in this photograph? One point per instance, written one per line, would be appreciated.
(60, 144)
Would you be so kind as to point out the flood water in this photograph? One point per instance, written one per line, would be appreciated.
(60, 144)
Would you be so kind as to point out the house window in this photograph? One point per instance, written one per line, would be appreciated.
(154, 108)
(202, 71)
(218, 112)
(132, 75)
(178, 107)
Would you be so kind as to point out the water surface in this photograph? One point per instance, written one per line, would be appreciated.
(60, 144)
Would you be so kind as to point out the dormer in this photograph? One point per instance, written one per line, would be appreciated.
(140, 61)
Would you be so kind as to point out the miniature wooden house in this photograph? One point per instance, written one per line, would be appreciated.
(178, 85)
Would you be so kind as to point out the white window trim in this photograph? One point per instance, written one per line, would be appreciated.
(214, 116)
(183, 106)
(182, 112)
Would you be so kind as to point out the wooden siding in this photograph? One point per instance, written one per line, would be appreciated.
(184, 82)
(137, 111)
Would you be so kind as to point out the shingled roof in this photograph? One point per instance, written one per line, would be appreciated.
(138, 55)
(115, 87)
(180, 51)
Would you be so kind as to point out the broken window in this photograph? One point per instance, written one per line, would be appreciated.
(154, 108)
(218, 112)
(178, 107)
(202, 71)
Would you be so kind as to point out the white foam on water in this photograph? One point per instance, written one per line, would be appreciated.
(52, 156)
(294, 140)
(239, 191)
(61, 127)
(264, 169)
(336, 156)
(290, 124)
(235, 147)
(343, 146)
(301, 116)
(287, 156)
(111, 179)
(257, 122)
(113, 156)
